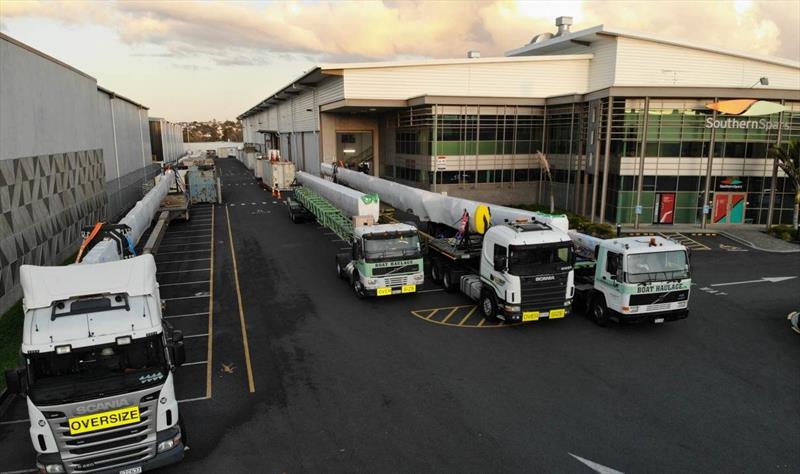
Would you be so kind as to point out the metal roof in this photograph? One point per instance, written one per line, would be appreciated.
(592, 34)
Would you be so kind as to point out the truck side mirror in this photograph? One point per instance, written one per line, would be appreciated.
(14, 378)
(177, 350)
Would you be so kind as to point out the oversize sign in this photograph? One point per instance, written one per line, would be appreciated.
(101, 421)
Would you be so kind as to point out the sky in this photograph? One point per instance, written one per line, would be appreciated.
(198, 60)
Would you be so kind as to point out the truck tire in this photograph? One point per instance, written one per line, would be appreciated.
(599, 311)
(436, 272)
(358, 288)
(488, 305)
(449, 281)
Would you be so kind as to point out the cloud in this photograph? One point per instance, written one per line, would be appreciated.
(247, 33)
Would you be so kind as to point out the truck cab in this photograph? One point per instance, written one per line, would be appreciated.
(525, 273)
(97, 370)
(384, 259)
(633, 279)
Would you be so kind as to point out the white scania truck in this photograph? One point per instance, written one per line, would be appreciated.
(97, 358)
(632, 279)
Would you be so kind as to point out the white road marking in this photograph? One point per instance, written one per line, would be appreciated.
(431, 291)
(21, 471)
(184, 271)
(196, 335)
(762, 280)
(185, 297)
(596, 467)
(196, 399)
(185, 315)
(199, 362)
(14, 422)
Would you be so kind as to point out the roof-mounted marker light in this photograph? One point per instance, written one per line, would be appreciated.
(63, 349)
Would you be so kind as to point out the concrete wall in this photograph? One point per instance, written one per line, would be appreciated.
(57, 149)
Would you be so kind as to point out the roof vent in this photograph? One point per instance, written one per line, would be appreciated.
(472, 54)
(563, 23)
(541, 37)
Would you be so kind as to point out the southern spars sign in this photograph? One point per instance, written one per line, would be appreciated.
(745, 108)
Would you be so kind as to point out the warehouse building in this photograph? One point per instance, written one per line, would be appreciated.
(166, 140)
(72, 153)
(634, 127)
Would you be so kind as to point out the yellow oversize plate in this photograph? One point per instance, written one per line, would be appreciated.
(530, 315)
(384, 291)
(556, 313)
(103, 420)
(409, 288)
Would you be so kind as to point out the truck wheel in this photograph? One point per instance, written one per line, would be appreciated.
(488, 305)
(450, 286)
(339, 269)
(436, 272)
(358, 288)
(599, 311)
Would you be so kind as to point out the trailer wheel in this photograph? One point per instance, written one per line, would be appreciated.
(488, 305)
(436, 272)
(358, 288)
(599, 311)
(450, 286)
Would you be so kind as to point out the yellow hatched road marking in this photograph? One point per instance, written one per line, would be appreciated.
(468, 315)
(250, 382)
(450, 314)
(432, 313)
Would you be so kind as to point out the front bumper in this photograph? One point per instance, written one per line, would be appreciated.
(162, 459)
(671, 315)
(528, 315)
(392, 290)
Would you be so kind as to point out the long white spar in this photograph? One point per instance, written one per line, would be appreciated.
(138, 219)
(428, 206)
(349, 201)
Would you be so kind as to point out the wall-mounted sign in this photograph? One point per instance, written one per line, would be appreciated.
(745, 108)
(730, 184)
(441, 163)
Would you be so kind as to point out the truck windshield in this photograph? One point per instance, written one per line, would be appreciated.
(525, 260)
(97, 371)
(392, 246)
(657, 266)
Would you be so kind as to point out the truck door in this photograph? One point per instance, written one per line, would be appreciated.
(609, 279)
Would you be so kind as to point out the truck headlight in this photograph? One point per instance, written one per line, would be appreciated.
(169, 444)
(419, 277)
(54, 468)
(512, 308)
(371, 281)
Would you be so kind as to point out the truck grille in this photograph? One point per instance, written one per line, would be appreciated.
(109, 448)
(543, 295)
(396, 280)
(651, 298)
(395, 270)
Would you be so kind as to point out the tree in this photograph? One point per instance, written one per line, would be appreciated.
(788, 159)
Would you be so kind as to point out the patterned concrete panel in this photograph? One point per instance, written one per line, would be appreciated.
(44, 202)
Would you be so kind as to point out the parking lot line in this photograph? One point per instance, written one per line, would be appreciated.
(184, 251)
(431, 290)
(468, 315)
(196, 363)
(250, 382)
(185, 297)
(184, 271)
(197, 335)
(191, 260)
(181, 245)
(210, 353)
(195, 399)
(13, 422)
(185, 315)
(184, 283)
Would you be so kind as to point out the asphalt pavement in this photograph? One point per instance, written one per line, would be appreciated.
(297, 375)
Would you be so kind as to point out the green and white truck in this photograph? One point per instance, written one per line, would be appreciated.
(632, 279)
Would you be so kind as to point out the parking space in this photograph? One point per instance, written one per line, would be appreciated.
(684, 240)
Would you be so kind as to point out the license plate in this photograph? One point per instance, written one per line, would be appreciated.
(557, 313)
(384, 291)
(658, 320)
(103, 420)
(530, 315)
(409, 288)
(131, 470)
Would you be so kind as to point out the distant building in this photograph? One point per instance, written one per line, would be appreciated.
(600, 103)
(166, 140)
